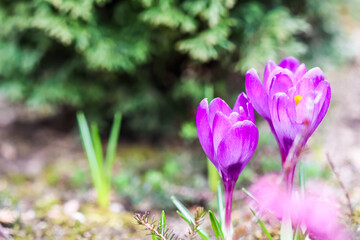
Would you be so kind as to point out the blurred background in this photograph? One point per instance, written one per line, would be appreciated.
(153, 61)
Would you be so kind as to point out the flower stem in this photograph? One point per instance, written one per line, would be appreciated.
(289, 178)
(229, 189)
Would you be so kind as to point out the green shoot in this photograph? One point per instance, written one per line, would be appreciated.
(216, 226)
(262, 225)
(249, 194)
(183, 217)
(100, 171)
(162, 226)
(186, 215)
(162, 223)
(111, 148)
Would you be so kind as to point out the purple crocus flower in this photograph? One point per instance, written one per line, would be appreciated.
(289, 97)
(229, 138)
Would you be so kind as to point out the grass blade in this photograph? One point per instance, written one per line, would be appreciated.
(95, 137)
(112, 144)
(249, 194)
(216, 226)
(162, 223)
(183, 217)
(153, 236)
(203, 235)
(185, 212)
(186, 215)
(89, 150)
(262, 225)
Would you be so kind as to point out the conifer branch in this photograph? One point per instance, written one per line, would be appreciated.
(143, 219)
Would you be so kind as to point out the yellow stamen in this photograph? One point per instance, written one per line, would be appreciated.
(298, 99)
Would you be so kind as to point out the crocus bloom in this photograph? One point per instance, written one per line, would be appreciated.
(289, 96)
(229, 138)
(316, 211)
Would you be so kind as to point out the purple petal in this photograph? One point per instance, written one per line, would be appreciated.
(236, 149)
(243, 107)
(292, 92)
(218, 105)
(281, 82)
(300, 72)
(204, 130)
(241, 101)
(304, 86)
(236, 117)
(316, 75)
(283, 115)
(274, 74)
(324, 92)
(305, 109)
(256, 93)
(221, 126)
(242, 114)
(290, 63)
(270, 66)
(251, 114)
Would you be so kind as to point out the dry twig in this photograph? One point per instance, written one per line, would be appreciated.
(337, 175)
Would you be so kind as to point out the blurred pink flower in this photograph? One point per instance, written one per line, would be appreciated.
(318, 213)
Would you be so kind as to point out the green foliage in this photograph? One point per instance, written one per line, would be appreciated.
(149, 59)
(160, 232)
(194, 222)
(262, 225)
(101, 171)
(162, 227)
(266, 38)
(216, 226)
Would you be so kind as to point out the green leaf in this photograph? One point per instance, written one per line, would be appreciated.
(249, 194)
(162, 227)
(186, 215)
(95, 136)
(162, 223)
(203, 235)
(90, 153)
(216, 226)
(262, 226)
(183, 217)
(112, 144)
(299, 235)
